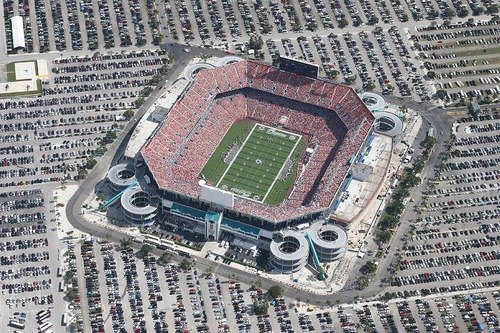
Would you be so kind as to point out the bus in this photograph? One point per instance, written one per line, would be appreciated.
(64, 319)
(43, 314)
(184, 254)
(45, 326)
(148, 237)
(152, 241)
(16, 324)
(44, 317)
(161, 244)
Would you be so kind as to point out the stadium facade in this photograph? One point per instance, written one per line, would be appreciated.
(331, 117)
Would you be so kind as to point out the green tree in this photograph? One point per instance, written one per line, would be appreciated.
(146, 91)
(101, 150)
(477, 11)
(383, 236)
(111, 135)
(462, 12)
(82, 173)
(140, 42)
(388, 296)
(68, 276)
(125, 243)
(157, 40)
(128, 114)
(139, 102)
(71, 294)
(441, 94)
(146, 249)
(429, 142)
(492, 9)
(210, 272)
(260, 307)
(448, 13)
(373, 20)
(296, 26)
(369, 86)
(357, 21)
(255, 42)
(91, 163)
(370, 267)
(267, 28)
(363, 281)
(165, 258)
(275, 292)
(351, 79)
(343, 23)
(185, 265)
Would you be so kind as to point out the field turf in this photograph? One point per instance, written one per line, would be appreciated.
(253, 172)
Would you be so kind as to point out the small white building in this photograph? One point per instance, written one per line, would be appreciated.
(17, 24)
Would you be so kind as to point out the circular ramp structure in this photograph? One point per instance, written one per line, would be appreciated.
(373, 101)
(191, 70)
(289, 251)
(121, 176)
(388, 123)
(329, 240)
(228, 60)
(139, 208)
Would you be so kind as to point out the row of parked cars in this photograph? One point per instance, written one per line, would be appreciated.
(74, 115)
(396, 71)
(21, 203)
(265, 21)
(24, 244)
(92, 25)
(93, 294)
(488, 317)
(453, 66)
(455, 240)
(20, 273)
(113, 288)
(16, 288)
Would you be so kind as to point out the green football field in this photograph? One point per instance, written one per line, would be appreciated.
(254, 172)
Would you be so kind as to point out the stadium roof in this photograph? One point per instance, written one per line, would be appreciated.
(333, 117)
(17, 32)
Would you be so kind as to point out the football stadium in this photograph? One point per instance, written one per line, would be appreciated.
(250, 150)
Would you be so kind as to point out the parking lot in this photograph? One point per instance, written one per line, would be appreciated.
(473, 312)
(49, 140)
(52, 137)
(127, 292)
(388, 46)
(461, 59)
(87, 25)
(454, 243)
(366, 44)
(30, 261)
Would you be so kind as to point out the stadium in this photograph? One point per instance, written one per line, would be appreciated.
(248, 149)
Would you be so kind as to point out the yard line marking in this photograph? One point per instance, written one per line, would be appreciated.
(235, 157)
(282, 166)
